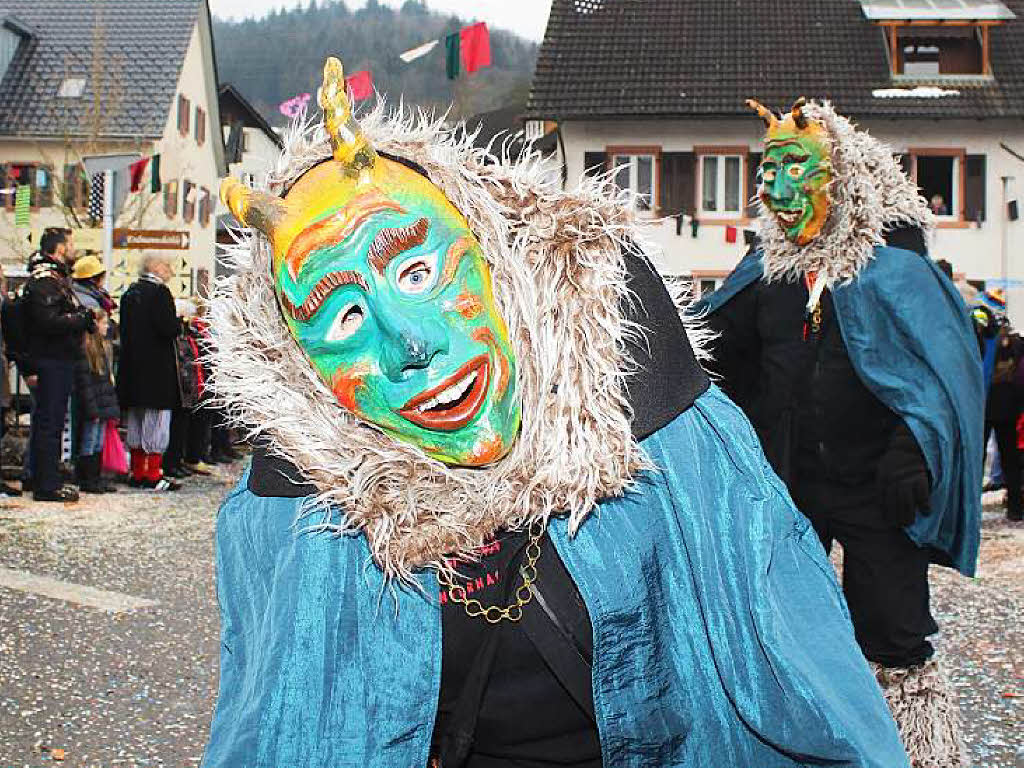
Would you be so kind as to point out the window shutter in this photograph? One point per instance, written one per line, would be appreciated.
(750, 204)
(594, 163)
(974, 188)
(678, 184)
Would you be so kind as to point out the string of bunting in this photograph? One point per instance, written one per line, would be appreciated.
(466, 51)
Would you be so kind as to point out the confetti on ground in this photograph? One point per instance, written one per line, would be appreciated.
(136, 689)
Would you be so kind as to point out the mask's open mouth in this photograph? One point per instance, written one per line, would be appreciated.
(454, 402)
(789, 219)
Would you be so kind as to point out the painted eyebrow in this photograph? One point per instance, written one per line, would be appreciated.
(791, 157)
(325, 286)
(392, 241)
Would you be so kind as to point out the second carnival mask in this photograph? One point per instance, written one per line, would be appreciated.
(387, 292)
(796, 170)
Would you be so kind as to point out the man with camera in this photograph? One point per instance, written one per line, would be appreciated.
(56, 322)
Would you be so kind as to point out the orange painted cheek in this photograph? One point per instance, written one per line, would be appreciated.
(487, 451)
(346, 382)
(469, 305)
(485, 336)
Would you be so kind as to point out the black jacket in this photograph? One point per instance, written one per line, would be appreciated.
(147, 375)
(95, 396)
(1003, 401)
(56, 321)
(817, 420)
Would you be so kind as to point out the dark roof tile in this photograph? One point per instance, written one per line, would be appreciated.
(140, 43)
(677, 58)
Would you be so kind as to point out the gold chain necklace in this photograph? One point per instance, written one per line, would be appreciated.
(495, 614)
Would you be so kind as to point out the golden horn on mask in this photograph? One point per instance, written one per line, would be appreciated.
(252, 207)
(766, 114)
(351, 148)
(799, 118)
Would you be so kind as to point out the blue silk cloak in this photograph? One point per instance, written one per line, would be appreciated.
(910, 339)
(721, 637)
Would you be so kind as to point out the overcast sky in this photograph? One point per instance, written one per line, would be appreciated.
(525, 17)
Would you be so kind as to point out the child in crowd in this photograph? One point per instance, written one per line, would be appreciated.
(97, 404)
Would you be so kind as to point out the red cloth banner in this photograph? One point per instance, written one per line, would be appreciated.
(475, 44)
(360, 85)
(136, 170)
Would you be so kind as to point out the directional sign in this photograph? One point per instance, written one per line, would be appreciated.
(152, 239)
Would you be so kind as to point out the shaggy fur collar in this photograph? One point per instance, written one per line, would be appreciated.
(869, 194)
(558, 274)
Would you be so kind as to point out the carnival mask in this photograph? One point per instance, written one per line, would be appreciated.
(386, 290)
(795, 173)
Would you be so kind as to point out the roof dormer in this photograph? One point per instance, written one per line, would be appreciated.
(937, 39)
(12, 33)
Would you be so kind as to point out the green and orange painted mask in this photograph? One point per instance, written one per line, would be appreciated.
(796, 170)
(386, 290)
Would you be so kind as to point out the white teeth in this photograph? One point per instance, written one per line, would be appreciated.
(452, 393)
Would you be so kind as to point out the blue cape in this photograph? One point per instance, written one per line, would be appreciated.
(721, 637)
(910, 339)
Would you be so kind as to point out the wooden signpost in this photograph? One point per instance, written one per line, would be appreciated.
(152, 239)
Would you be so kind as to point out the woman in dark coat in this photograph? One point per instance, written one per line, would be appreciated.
(147, 378)
(96, 401)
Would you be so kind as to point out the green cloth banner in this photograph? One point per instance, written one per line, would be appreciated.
(22, 205)
(154, 174)
(452, 63)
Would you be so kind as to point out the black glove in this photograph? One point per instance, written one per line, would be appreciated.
(90, 319)
(904, 485)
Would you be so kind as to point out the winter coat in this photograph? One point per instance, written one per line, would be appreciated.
(56, 319)
(147, 375)
(95, 396)
(1003, 401)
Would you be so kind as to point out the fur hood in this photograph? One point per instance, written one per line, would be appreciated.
(869, 194)
(557, 267)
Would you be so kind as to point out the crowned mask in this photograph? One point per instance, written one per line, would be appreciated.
(387, 292)
(796, 170)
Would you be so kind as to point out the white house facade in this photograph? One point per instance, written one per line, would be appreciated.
(655, 90)
(137, 80)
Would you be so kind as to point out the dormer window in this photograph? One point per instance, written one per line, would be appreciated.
(12, 33)
(925, 51)
(929, 39)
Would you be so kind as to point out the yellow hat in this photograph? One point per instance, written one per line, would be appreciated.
(86, 267)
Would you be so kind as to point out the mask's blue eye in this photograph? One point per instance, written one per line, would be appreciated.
(417, 274)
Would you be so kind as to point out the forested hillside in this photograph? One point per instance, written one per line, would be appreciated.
(281, 55)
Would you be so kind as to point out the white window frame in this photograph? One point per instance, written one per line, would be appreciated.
(954, 204)
(736, 213)
(620, 160)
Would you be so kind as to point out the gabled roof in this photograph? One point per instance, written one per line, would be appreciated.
(234, 106)
(139, 44)
(698, 58)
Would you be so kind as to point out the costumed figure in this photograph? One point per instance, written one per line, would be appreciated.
(855, 359)
(498, 516)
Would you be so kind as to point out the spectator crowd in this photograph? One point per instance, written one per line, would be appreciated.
(120, 391)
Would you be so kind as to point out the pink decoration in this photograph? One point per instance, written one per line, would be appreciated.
(294, 105)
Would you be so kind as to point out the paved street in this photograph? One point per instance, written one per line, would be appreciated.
(123, 682)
